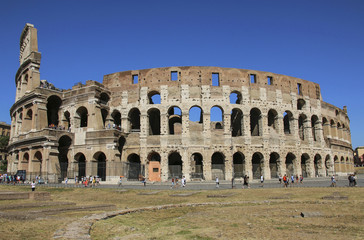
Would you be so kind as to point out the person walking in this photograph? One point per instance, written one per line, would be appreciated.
(217, 182)
(261, 181)
(333, 181)
(33, 186)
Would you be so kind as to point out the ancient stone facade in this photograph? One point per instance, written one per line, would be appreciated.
(198, 122)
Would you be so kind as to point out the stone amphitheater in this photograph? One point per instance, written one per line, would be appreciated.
(163, 123)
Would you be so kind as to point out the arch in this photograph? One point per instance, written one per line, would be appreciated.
(339, 130)
(154, 117)
(300, 104)
(134, 119)
(273, 119)
(255, 122)
(154, 97)
(154, 167)
(236, 122)
(314, 127)
(26, 157)
(327, 164)
(134, 167)
(305, 165)
(333, 128)
(257, 165)
(27, 124)
(290, 164)
(104, 98)
(100, 157)
(301, 126)
(37, 164)
(217, 116)
(175, 120)
(104, 113)
(235, 97)
(116, 116)
(197, 166)
(238, 165)
(274, 161)
(81, 165)
(121, 144)
(82, 115)
(325, 126)
(67, 120)
(53, 104)
(288, 122)
(64, 144)
(195, 114)
(318, 165)
(218, 165)
(174, 165)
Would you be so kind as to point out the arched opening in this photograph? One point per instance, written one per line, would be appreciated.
(239, 165)
(314, 126)
(257, 165)
(134, 167)
(290, 162)
(197, 166)
(27, 124)
(175, 120)
(326, 127)
(53, 104)
(81, 165)
(134, 120)
(154, 121)
(217, 117)
(100, 157)
(37, 164)
(273, 119)
(288, 122)
(67, 120)
(154, 97)
(301, 126)
(333, 129)
(104, 98)
(318, 165)
(235, 97)
(104, 114)
(327, 164)
(339, 130)
(25, 162)
(273, 165)
(116, 116)
(82, 115)
(121, 144)
(154, 166)
(218, 165)
(236, 122)
(195, 114)
(305, 158)
(300, 104)
(255, 122)
(175, 165)
(64, 144)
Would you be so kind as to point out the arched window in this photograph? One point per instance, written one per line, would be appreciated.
(314, 126)
(195, 114)
(175, 120)
(300, 104)
(255, 122)
(82, 115)
(236, 122)
(154, 121)
(134, 120)
(154, 97)
(216, 116)
(301, 126)
(288, 122)
(235, 97)
(273, 119)
(53, 104)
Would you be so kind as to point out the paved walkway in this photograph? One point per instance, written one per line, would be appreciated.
(342, 181)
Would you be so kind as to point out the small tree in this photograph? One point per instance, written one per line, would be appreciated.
(4, 140)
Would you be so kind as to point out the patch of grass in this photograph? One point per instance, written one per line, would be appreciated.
(183, 232)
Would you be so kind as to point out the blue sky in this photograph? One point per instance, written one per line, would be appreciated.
(316, 40)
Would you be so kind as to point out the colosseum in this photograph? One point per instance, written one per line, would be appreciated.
(159, 123)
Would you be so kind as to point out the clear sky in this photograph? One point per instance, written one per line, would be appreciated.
(316, 40)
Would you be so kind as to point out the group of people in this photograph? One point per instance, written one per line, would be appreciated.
(352, 180)
(91, 181)
(175, 182)
(5, 178)
(290, 180)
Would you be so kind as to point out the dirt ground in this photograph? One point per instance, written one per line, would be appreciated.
(328, 213)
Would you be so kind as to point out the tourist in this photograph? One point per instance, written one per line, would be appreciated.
(217, 182)
(172, 183)
(33, 186)
(285, 180)
(120, 181)
(183, 181)
(261, 180)
(280, 179)
(333, 181)
(246, 181)
(292, 180)
(301, 179)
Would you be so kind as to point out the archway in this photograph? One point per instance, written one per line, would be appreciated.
(154, 121)
(134, 167)
(197, 166)
(174, 165)
(318, 165)
(257, 165)
(82, 114)
(100, 157)
(290, 164)
(305, 165)
(273, 165)
(154, 166)
(236, 122)
(64, 143)
(218, 165)
(134, 120)
(175, 120)
(255, 122)
(53, 104)
(81, 165)
(37, 164)
(239, 165)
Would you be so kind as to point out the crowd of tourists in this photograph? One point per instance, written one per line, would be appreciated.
(14, 179)
(91, 181)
